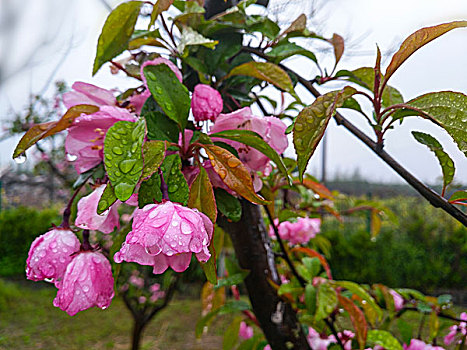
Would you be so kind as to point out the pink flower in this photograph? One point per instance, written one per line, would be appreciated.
(136, 281)
(457, 330)
(49, 255)
(161, 60)
(142, 299)
(416, 344)
(206, 103)
(398, 300)
(88, 94)
(87, 282)
(346, 338)
(319, 341)
(166, 235)
(88, 218)
(85, 137)
(156, 292)
(272, 130)
(245, 331)
(138, 100)
(299, 232)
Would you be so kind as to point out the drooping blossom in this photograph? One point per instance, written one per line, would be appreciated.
(398, 300)
(319, 341)
(84, 93)
(457, 332)
(245, 332)
(88, 218)
(85, 138)
(49, 255)
(206, 103)
(417, 344)
(87, 282)
(271, 129)
(166, 235)
(298, 232)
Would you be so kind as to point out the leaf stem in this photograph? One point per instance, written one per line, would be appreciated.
(67, 212)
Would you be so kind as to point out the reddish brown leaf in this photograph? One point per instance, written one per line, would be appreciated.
(315, 254)
(417, 40)
(232, 171)
(316, 187)
(338, 43)
(41, 131)
(299, 25)
(202, 195)
(357, 317)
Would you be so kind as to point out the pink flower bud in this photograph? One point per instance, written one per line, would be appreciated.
(245, 331)
(87, 282)
(49, 255)
(88, 94)
(398, 300)
(416, 344)
(166, 235)
(85, 138)
(206, 103)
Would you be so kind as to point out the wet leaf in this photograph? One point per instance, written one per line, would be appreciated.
(326, 301)
(41, 131)
(123, 157)
(159, 7)
(202, 196)
(458, 197)
(177, 186)
(311, 124)
(383, 339)
(285, 50)
(228, 205)
(316, 187)
(357, 318)
(153, 155)
(233, 173)
(447, 164)
(107, 199)
(150, 191)
(416, 40)
(191, 38)
(210, 267)
(117, 31)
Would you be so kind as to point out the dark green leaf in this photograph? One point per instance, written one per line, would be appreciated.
(123, 157)
(232, 280)
(231, 334)
(406, 330)
(287, 49)
(458, 196)
(107, 199)
(383, 339)
(169, 93)
(228, 205)
(150, 191)
(153, 155)
(312, 121)
(160, 127)
(326, 301)
(117, 31)
(447, 164)
(310, 298)
(254, 140)
(173, 176)
(210, 267)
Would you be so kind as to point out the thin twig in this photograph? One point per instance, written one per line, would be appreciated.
(334, 332)
(284, 251)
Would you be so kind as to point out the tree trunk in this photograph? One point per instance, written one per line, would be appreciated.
(251, 242)
(138, 327)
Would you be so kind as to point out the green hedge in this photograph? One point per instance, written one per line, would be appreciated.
(426, 249)
(18, 228)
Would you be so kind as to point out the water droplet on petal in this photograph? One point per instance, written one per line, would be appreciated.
(71, 157)
(20, 159)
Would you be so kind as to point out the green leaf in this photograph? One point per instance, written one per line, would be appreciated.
(458, 196)
(310, 298)
(160, 127)
(107, 199)
(191, 38)
(123, 158)
(405, 330)
(117, 31)
(312, 265)
(41, 131)
(263, 25)
(384, 339)
(287, 49)
(267, 72)
(416, 40)
(326, 301)
(231, 334)
(362, 293)
(150, 191)
(254, 140)
(233, 173)
(176, 184)
(311, 123)
(153, 155)
(232, 280)
(446, 107)
(447, 164)
(228, 205)
(202, 195)
(169, 93)
(209, 267)
(145, 37)
(159, 7)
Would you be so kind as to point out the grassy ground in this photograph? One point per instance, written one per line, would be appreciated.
(28, 320)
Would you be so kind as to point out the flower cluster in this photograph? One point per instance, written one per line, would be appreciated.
(298, 232)
(83, 278)
(457, 333)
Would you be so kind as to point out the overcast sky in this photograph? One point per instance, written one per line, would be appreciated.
(441, 65)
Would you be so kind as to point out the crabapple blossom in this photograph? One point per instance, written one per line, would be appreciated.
(245, 331)
(206, 103)
(49, 255)
(457, 330)
(85, 137)
(298, 232)
(87, 282)
(88, 94)
(398, 300)
(88, 218)
(319, 341)
(166, 235)
(417, 344)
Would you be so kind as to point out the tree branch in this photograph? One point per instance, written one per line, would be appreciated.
(434, 198)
